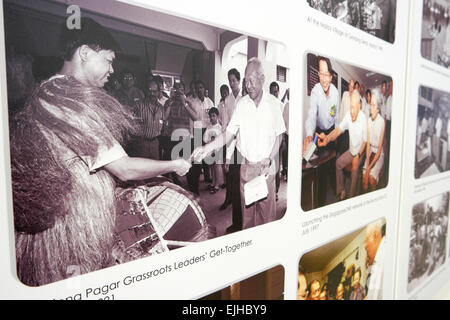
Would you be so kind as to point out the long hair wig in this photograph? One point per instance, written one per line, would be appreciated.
(60, 218)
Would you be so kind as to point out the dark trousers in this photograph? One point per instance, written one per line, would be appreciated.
(233, 193)
(193, 176)
(285, 154)
(327, 173)
(387, 149)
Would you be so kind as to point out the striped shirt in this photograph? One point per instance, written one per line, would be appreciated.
(151, 117)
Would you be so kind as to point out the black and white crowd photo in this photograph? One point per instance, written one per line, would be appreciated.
(136, 132)
(435, 44)
(428, 238)
(433, 132)
(376, 17)
(347, 115)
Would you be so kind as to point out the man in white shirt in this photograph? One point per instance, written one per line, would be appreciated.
(345, 102)
(323, 113)
(201, 104)
(344, 108)
(383, 99)
(388, 116)
(356, 123)
(233, 157)
(366, 103)
(375, 249)
(258, 123)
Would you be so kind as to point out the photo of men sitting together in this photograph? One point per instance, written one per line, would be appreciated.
(433, 131)
(428, 238)
(349, 268)
(128, 141)
(345, 134)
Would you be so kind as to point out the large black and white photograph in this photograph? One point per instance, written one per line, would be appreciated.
(376, 17)
(137, 132)
(347, 113)
(428, 238)
(435, 45)
(432, 133)
(348, 268)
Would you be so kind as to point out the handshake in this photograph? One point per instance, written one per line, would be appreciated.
(199, 154)
(182, 166)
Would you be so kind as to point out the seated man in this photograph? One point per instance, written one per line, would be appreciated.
(355, 122)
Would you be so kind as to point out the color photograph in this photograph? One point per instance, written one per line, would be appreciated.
(349, 268)
(347, 115)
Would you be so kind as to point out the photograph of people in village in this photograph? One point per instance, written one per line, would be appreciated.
(131, 139)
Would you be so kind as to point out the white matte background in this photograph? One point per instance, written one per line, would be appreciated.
(279, 242)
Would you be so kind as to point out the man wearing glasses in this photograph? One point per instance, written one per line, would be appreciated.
(323, 116)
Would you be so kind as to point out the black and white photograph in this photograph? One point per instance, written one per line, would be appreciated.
(267, 285)
(435, 45)
(433, 130)
(376, 17)
(137, 132)
(428, 238)
(349, 268)
(347, 115)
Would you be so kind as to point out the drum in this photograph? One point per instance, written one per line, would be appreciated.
(157, 217)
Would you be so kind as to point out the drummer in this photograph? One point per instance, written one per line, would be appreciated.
(64, 201)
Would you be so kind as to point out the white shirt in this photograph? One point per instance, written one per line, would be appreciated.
(448, 135)
(375, 287)
(323, 111)
(286, 116)
(202, 109)
(383, 107)
(388, 108)
(258, 127)
(357, 131)
(375, 127)
(366, 108)
(438, 127)
(228, 108)
(424, 125)
(212, 131)
(345, 105)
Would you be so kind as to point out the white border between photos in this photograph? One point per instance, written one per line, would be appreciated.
(421, 72)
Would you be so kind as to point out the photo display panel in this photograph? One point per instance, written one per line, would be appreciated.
(352, 112)
(424, 211)
(186, 150)
(174, 77)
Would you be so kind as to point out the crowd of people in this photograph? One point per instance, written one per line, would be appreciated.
(376, 17)
(173, 123)
(73, 143)
(433, 125)
(436, 18)
(349, 286)
(428, 239)
(356, 127)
